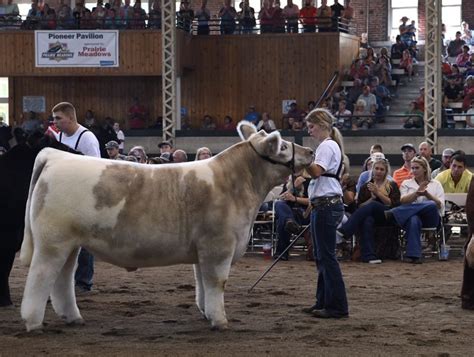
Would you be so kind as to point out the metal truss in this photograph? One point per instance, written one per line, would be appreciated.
(433, 90)
(168, 80)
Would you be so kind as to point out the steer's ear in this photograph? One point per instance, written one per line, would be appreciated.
(246, 129)
(271, 144)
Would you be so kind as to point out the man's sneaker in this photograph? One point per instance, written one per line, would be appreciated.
(292, 227)
(375, 261)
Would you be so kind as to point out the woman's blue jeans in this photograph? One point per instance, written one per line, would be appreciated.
(412, 218)
(330, 290)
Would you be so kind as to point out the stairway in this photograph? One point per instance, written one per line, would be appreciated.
(406, 92)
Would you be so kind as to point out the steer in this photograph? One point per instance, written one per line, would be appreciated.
(134, 215)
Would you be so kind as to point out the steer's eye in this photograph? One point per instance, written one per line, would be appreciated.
(283, 147)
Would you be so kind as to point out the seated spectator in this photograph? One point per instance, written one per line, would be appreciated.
(139, 153)
(266, 123)
(113, 153)
(455, 46)
(457, 75)
(422, 205)
(457, 178)
(375, 197)
(185, 123)
(289, 212)
(180, 156)
(370, 57)
(166, 157)
(446, 160)
(366, 175)
(405, 173)
(208, 123)
(295, 113)
(246, 17)
(137, 115)
(311, 106)
(445, 67)
(308, 15)
(344, 116)
(359, 117)
(154, 17)
(227, 15)
(469, 69)
(466, 33)
(370, 101)
(397, 48)
(297, 125)
(406, 63)
(203, 15)
(252, 115)
(185, 16)
(414, 117)
(228, 123)
(354, 93)
(383, 71)
(291, 14)
(203, 154)
(420, 100)
(463, 57)
(468, 93)
(425, 150)
(165, 146)
(452, 91)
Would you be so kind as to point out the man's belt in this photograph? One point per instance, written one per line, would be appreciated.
(326, 201)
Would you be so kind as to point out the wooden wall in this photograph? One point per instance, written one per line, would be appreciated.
(224, 75)
(140, 55)
(105, 96)
(233, 72)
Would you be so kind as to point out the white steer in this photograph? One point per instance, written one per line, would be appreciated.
(134, 215)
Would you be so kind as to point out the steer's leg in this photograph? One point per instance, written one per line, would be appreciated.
(215, 272)
(45, 267)
(200, 296)
(63, 297)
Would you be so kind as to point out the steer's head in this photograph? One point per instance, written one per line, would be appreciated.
(273, 148)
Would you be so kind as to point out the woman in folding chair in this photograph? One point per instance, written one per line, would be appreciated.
(422, 206)
(375, 197)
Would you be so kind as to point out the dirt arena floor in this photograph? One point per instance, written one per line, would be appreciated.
(395, 309)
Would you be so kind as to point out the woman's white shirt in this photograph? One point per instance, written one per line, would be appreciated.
(434, 188)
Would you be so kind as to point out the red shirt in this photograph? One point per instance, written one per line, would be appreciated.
(308, 15)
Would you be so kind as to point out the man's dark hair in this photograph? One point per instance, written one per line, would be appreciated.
(459, 157)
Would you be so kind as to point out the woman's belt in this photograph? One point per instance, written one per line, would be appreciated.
(325, 201)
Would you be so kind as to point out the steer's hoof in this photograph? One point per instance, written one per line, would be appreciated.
(220, 326)
(34, 328)
(76, 322)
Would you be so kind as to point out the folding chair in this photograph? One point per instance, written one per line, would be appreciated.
(432, 239)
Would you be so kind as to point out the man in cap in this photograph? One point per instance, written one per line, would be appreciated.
(425, 150)
(446, 162)
(252, 115)
(165, 146)
(112, 148)
(404, 172)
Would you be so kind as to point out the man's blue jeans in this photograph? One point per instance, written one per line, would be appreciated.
(283, 213)
(330, 291)
(85, 270)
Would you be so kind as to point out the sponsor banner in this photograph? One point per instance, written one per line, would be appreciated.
(93, 48)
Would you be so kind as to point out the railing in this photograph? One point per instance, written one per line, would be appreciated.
(193, 26)
(328, 88)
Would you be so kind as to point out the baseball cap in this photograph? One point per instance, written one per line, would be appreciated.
(112, 144)
(408, 146)
(166, 156)
(448, 152)
(163, 143)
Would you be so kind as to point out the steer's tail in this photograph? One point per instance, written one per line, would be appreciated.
(27, 247)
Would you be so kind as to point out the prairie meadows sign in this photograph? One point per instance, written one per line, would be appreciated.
(77, 48)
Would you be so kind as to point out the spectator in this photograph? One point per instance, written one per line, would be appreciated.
(185, 16)
(455, 46)
(266, 123)
(324, 17)
(369, 99)
(278, 21)
(414, 117)
(139, 153)
(208, 123)
(348, 13)
(228, 123)
(5, 134)
(139, 16)
(425, 150)
(120, 137)
(180, 156)
(344, 119)
(308, 16)
(291, 13)
(457, 178)
(452, 91)
(98, 14)
(470, 118)
(113, 153)
(337, 10)
(137, 115)
(246, 17)
(266, 16)
(446, 159)
(422, 204)
(463, 57)
(11, 9)
(154, 17)
(360, 118)
(252, 115)
(375, 197)
(32, 124)
(165, 146)
(203, 15)
(466, 33)
(405, 173)
(203, 154)
(420, 100)
(227, 15)
(468, 93)
(64, 16)
(294, 113)
(406, 63)
(397, 48)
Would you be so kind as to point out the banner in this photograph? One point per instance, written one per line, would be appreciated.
(81, 48)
